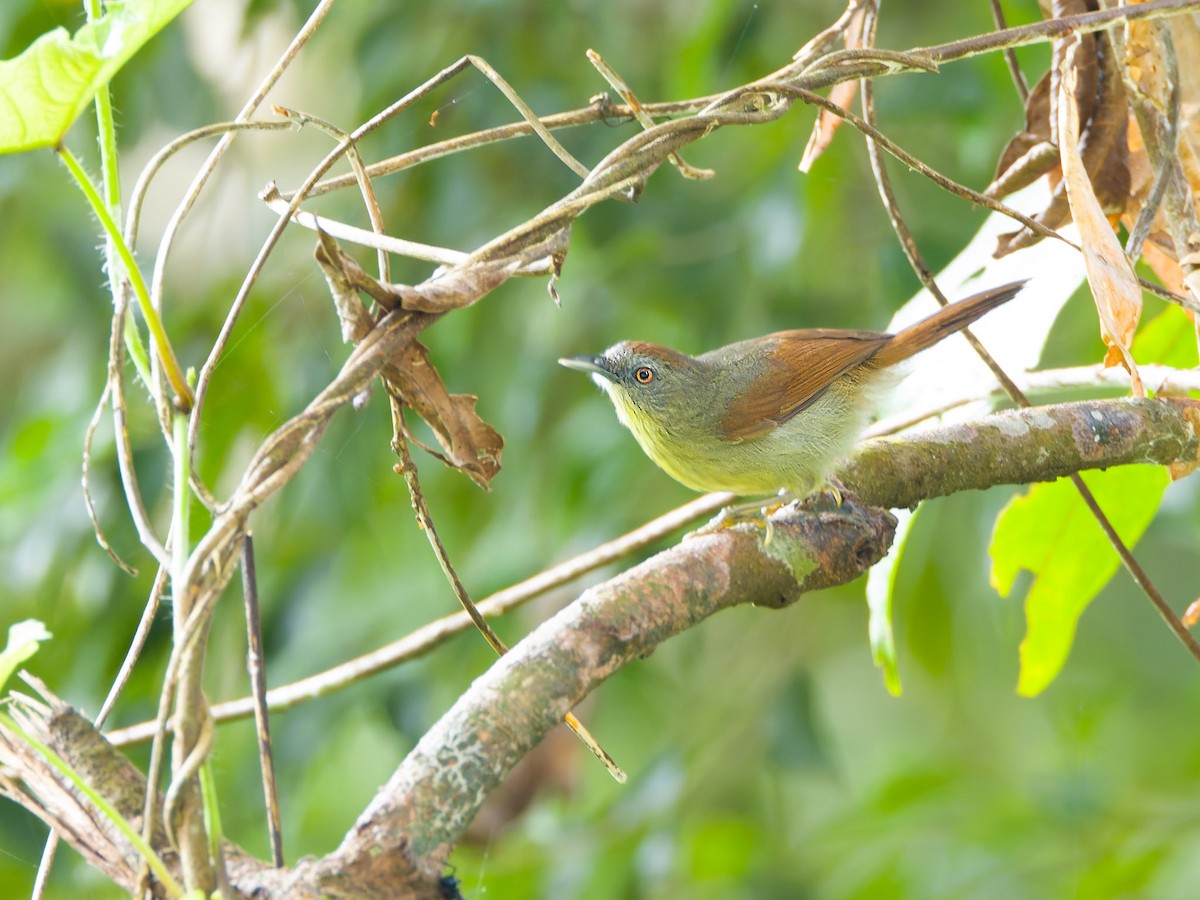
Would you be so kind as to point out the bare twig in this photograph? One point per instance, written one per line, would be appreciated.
(430, 637)
(374, 214)
(116, 384)
(383, 243)
(1161, 606)
(903, 233)
(626, 93)
(140, 636)
(1010, 57)
(193, 192)
(256, 665)
(89, 504)
(408, 469)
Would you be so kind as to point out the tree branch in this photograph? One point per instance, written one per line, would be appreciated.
(437, 790)
(1039, 443)
(401, 841)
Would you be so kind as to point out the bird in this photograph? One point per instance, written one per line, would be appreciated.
(772, 414)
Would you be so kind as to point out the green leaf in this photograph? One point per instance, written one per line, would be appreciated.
(1050, 532)
(1168, 339)
(43, 91)
(881, 588)
(23, 640)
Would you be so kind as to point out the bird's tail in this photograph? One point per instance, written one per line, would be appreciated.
(943, 323)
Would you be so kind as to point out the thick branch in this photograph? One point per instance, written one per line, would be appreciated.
(1039, 443)
(401, 840)
(438, 789)
(1021, 447)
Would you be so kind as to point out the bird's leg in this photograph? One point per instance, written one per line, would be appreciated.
(754, 512)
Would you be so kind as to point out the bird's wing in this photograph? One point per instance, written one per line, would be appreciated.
(798, 367)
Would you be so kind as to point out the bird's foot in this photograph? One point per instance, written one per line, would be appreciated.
(752, 512)
(831, 492)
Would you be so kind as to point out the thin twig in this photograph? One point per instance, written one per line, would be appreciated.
(120, 419)
(1010, 56)
(917, 165)
(965, 192)
(140, 635)
(599, 111)
(1149, 117)
(258, 690)
(903, 233)
(429, 637)
(626, 93)
(384, 243)
(818, 45)
(193, 192)
(374, 214)
(1135, 569)
(408, 469)
(42, 879)
(89, 503)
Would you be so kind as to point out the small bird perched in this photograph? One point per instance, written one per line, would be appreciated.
(773, 413)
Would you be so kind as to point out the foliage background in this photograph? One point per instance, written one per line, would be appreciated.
(766, 759)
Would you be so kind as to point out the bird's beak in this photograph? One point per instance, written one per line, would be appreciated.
(593, 365)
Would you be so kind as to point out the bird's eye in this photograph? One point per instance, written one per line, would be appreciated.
(643, 374)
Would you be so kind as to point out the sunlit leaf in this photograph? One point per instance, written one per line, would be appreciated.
(44, 90)
(23, 640)
(1168, 339)
(1052, 534)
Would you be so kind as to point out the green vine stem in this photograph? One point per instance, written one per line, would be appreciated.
(184, 397)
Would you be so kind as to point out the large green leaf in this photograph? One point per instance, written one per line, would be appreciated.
(1050, 532)
(44, 90)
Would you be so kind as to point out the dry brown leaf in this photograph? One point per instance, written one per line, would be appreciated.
(356, 321)
(1086, 48)
(458, 287)
(1030, 154)
(1104, 141)
(1111, 278)
(470, 444)
(1099, 98)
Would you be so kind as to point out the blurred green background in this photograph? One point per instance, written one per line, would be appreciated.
(765, 757)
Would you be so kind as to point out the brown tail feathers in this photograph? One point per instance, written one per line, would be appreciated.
(944, 322)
